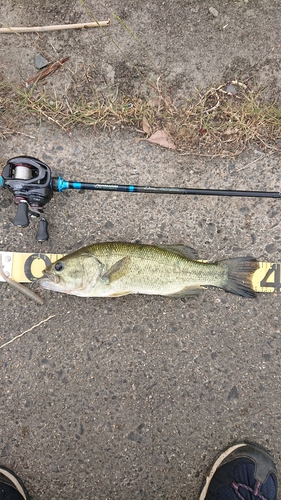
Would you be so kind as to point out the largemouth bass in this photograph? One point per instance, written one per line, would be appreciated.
(115, 269)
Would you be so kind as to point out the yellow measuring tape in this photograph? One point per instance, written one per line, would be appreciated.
(266, 279)
(27, 267)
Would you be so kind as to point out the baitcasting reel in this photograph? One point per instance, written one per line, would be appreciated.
(30, 182)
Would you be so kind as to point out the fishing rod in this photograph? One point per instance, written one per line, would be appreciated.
(31, 182)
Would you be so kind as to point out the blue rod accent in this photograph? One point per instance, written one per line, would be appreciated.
(1, 181)
(77, 185)
(62, 184)
(131, 189)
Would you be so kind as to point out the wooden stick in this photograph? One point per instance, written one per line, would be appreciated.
(21, 288)
(51, 68)
(55, 27)
(26, 331)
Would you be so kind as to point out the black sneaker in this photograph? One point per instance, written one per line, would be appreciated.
(245, 472)
(11, 487)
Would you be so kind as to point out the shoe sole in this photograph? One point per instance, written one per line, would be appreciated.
(216, 465)
(15, 481)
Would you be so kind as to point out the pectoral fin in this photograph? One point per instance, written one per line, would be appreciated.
(188, 291)
(117, 271)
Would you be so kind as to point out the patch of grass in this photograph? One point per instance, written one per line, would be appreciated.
(221, 120)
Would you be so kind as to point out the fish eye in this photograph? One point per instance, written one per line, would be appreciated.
(59, 266)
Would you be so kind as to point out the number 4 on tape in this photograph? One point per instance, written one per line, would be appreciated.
(273, 272)
(267, 278)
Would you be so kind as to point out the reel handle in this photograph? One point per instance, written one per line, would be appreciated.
(21, 219)
(42, 233)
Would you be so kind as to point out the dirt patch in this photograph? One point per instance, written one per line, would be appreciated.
(165, 50)
(180, 41)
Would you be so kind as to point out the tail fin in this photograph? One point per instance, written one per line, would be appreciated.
(240, 272)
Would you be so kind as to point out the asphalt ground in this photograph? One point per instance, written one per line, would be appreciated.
(133, 397)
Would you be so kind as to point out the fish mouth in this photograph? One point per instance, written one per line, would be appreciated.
(50, 276)
(49, 280)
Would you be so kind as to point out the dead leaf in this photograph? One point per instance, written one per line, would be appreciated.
(146, 126)
(163, 139)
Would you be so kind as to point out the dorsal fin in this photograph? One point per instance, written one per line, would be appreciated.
(182, 250)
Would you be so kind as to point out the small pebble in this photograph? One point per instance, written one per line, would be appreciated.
(231, 89)
(213, 11)
(40, 62)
